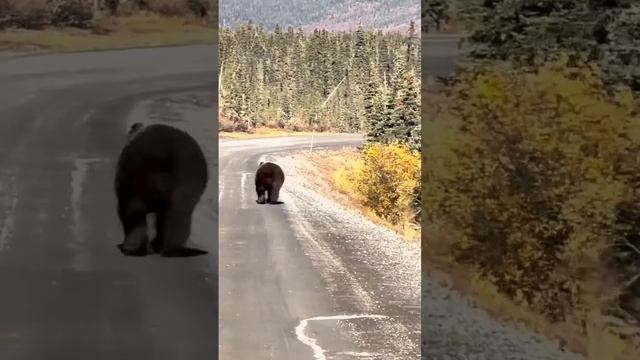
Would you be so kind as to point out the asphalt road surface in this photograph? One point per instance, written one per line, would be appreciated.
(304, 279)
(65, 290)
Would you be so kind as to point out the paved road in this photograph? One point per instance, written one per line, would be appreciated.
(65, 290)
(293, 275)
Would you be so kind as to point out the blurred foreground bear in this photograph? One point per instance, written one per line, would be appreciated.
(161, 170)
(269, 179)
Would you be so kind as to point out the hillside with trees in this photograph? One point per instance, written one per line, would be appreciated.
(361, 81)
(340, 15)
(529, 34)
(38, 14)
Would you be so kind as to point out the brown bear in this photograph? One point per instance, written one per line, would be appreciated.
(269, 179)
(161, 170)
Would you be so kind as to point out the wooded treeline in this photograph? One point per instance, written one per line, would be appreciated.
(343, 81)
(531, 32)
(38, 14)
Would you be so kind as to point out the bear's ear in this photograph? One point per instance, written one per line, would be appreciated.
(261, 162)
(134, 128)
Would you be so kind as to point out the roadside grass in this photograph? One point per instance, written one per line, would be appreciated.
(321, 168)
(140, 30)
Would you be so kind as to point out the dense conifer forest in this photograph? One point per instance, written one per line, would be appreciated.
(360, 81)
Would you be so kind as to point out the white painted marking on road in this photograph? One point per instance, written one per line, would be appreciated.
(78, 175)
(85, 119)
(357, 354)
(9, 218)
(318, 351)
(243, 193)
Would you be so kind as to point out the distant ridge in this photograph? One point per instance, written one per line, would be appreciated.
(334, 15)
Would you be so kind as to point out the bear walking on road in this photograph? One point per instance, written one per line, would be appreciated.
(162, 171)
(269, 179)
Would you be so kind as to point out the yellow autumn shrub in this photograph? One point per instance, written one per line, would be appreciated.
(531, 168)
(386, 180)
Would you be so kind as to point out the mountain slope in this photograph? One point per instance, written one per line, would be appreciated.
(388, 15)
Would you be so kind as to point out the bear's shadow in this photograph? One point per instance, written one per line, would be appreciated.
(183, 252)
(273, 203)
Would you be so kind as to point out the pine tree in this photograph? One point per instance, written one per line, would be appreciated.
(386, 60)
(531, 33)
(406, 115)
(412, 46)
(360, 58)
(434, 14)
(379, 123)
(399, 71)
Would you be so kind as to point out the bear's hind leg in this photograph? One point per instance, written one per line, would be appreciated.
(260, 191)
(174, 229)
(134, 222)
(274, 194)
(158, 242)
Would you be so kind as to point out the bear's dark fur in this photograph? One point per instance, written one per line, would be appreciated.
(162, 171)
(269, 179)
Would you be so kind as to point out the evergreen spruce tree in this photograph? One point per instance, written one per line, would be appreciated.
(530, 33)
(413, 55)
(386, 60)
(360, 58)
(380, 124)
(435, 13)
(399, 71)
(406, 115)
